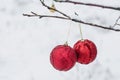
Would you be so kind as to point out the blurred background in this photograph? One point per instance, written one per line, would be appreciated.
(26, 43)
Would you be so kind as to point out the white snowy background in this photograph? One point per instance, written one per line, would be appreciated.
(26, 43)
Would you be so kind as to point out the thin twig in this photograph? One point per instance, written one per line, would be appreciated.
(74, 20)
(41, 16)
(53, 9)
(116, 22)
(89, 4)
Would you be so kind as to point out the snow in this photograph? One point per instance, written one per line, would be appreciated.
(26, 43)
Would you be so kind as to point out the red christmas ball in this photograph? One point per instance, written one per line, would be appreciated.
(86, 51)
(63, 57)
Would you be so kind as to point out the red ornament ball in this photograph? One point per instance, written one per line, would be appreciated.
(86, 51)
(63, 57)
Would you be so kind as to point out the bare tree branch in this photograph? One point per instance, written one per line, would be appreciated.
(53, 9)
(42, 16)
(74, 20)
(89, 4)
(66, 17)
(95, 25)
